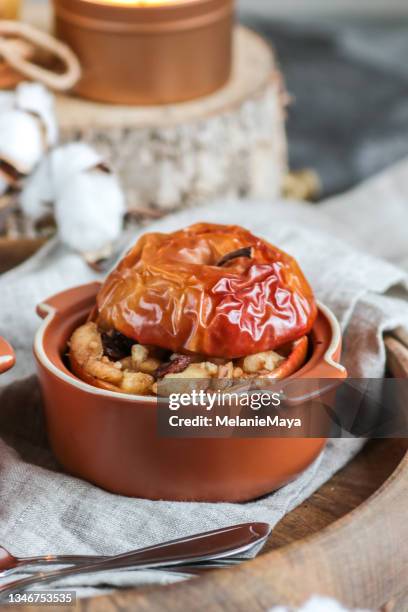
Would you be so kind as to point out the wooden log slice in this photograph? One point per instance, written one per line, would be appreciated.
(231, 143)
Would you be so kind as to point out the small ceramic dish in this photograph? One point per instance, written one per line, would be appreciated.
(111, 439)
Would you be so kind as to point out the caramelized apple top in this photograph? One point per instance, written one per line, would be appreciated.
(209, 289)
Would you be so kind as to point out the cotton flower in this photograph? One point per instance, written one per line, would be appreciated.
(89, 212)
(27, 130)
(36, 99)
(85, 196)
(21, 140)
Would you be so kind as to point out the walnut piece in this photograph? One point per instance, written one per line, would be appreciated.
(196, 370)
(226, 371)
(137, 383)
(150, 365)
(139, 354)
(87, 348)
(255, 364)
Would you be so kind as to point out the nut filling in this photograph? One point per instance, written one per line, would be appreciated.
(112, 361)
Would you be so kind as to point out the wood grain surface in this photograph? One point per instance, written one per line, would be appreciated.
(330, 544)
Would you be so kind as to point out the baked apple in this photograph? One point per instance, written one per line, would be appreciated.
(210, 300)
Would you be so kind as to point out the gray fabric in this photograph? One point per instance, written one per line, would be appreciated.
(43, 510)
(348, 80)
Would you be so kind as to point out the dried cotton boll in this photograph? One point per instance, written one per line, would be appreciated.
(38, 193)
(89, 211)
(6, 100)
(28, 129)
(68, 160)
(53, 175)
(21, 140)
(36, 99)
(86, 198)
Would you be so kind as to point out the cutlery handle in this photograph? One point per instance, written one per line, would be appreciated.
(202, 547)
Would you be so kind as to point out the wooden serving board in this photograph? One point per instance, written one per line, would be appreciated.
(348, 541)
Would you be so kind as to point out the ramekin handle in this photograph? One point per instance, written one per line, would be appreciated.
(7, 356)
(64, 301)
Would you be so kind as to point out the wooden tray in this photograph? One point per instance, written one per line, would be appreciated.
(349, 541)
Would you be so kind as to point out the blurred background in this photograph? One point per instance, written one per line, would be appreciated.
(326, 7)
(345, 64)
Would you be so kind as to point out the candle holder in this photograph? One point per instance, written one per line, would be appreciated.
(148, 52)
(9, 9)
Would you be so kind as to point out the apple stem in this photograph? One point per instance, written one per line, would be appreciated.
(244, 252)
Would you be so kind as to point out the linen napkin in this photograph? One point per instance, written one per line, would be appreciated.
(338, 244)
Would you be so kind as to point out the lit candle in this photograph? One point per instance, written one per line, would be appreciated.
(148, 51)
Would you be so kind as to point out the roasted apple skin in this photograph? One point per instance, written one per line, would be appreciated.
(182, 292)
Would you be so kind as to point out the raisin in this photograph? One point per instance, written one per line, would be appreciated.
(116, 346)
(175, 366)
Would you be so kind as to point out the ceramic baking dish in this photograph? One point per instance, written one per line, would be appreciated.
(111, 439)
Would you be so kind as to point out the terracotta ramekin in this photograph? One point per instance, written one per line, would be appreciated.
(156, 54)
(111, 439)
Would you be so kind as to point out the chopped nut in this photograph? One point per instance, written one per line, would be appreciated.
(139, 354)
(87, 348)
(195, 376)
(268, 360)
(196, 370)
(86, 343)
(127, 364)
(137, 383)
(149, 366)
(104, 371)
(226, 371)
